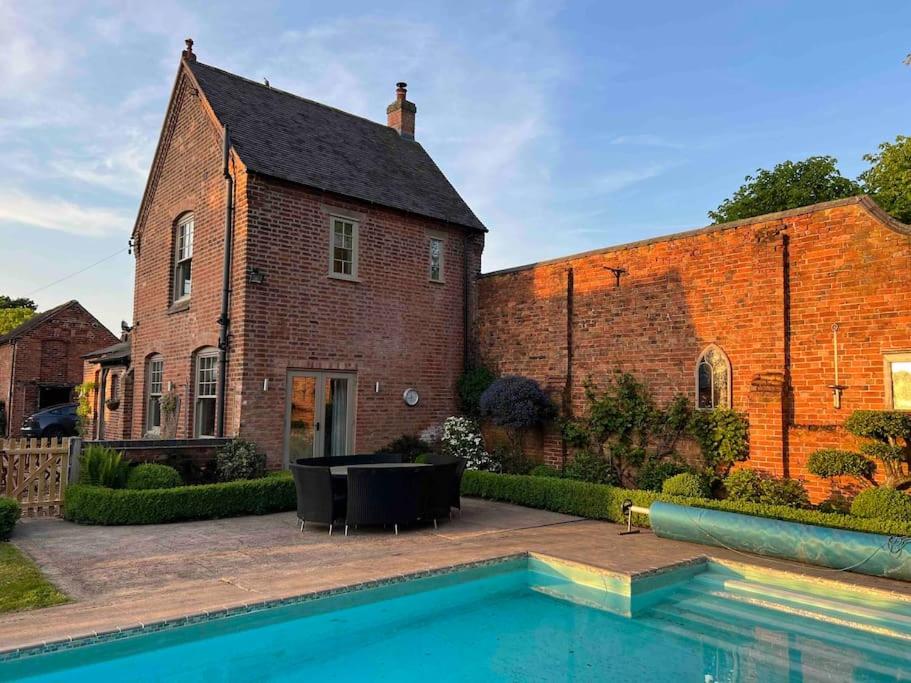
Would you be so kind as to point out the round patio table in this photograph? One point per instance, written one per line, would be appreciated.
(342, 470)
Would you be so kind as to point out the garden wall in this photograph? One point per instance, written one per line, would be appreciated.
(766, 290)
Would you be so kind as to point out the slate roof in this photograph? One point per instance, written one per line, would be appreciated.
(295, 139)
(114, 353)
(35, 321)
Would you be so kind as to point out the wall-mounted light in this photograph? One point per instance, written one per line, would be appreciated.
(266, 384)
(255, 276)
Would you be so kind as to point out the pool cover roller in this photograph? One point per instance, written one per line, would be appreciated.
(874, 554)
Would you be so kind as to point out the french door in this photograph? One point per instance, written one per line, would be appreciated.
(319, 414)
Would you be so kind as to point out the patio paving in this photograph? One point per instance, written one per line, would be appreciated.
(123, 576)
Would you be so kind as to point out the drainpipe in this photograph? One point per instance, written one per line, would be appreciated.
(223, 321)
(102, 390)
(466, 293)
(12, 383)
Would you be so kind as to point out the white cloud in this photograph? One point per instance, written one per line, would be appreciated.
(54, 213)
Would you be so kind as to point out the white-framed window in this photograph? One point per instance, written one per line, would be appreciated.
(713, 379)
(898, 380)
(115, 387)
(436, 259)
(205, 393)
(183, 257)
(343, 239)
(154, 386)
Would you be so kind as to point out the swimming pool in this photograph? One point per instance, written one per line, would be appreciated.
(526, 619)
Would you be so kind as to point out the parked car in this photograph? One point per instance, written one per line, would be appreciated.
(59, 420)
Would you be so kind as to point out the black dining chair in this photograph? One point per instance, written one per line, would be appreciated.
(383, 495)
(318, 500)
(455, 485)
(436, 491)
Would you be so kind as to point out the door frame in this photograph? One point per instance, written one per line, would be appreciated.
(320, 376)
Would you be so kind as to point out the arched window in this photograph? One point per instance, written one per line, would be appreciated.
(154, 389)
(204, 388)
(183, 257)
(713, 379)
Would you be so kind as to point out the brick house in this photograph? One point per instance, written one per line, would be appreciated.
(746, 314)
(41, 360)
(350, 261)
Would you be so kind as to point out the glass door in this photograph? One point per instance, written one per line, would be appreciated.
(319, 415)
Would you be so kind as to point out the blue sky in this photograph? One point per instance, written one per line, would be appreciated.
(566, 126)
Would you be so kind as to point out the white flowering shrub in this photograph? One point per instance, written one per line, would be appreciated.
(462, 437)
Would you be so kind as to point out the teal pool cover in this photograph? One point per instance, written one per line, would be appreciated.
(875, 554)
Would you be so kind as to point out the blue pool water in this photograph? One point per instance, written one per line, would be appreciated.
(526, 620)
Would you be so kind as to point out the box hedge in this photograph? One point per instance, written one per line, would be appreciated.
(10, 511)
(600, 501)
(87, 504)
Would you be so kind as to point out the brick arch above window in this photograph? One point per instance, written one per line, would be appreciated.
(713, 379)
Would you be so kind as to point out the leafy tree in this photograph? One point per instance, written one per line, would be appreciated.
(11, 318)
(21, 302)
(787, 186)
(888, 180)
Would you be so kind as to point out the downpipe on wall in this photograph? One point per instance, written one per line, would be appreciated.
(224, 321)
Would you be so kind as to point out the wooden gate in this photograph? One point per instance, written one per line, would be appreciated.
(35, 472)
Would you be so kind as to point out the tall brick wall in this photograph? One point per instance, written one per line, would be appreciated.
(48, 355)
(765, 291)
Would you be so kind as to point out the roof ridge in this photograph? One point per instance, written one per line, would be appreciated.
(294, 95)
(35, 320)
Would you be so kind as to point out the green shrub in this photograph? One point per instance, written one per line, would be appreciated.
(103, 466)
(831, 462)
(881, 425)
(472, 384)
(686, 485)
(882, 503)
(591, 467)
(723, 436)
(508, 460)
(544, 471)
(653, 474)
(96, 505)
(239, 459)
(10, 511)
(408, 446)
(744, 485)
(153, 476)
(598, 501)
(791, 492)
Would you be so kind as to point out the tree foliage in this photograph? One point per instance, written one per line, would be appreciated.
(20, 302)
(888, 180)
(789, 185)
(11, 318)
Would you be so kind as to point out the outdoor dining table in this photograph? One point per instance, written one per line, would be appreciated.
(342, 470)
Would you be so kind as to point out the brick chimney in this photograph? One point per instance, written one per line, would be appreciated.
(400, 114)
(188, 53)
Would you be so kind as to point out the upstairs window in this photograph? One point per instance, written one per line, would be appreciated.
(183, 258)
(204, 421)
(343, 248)
(713, 380)
(154, 377)
(436, 259)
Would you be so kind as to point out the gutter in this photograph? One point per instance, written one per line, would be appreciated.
(12, 383)
(224, 321)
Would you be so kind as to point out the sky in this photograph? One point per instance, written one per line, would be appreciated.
(566, 126)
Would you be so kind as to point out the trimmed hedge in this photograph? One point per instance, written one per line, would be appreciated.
(96, 505)
(151, 475)
(883, 503)
(10, 511)
(599, 501)
(686, 484)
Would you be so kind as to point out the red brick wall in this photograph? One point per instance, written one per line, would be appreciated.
(50, 354)
(393, 326)
(187, 177)
(766, 291)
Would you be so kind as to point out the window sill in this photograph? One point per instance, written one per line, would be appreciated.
(179, 306)
(436, 282)
(346, 278)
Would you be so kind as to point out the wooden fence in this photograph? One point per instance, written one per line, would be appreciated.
(36, 471)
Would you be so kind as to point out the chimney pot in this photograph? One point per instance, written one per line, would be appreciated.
(187, 54)
(401, 113)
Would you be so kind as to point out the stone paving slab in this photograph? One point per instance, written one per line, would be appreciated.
(124, 576)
